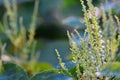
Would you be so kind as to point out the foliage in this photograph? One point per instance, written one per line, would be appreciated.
(93, 54)
(13, 72)
(22, 48)
(96, 57)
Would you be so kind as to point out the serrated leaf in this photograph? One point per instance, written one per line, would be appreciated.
(13, 72)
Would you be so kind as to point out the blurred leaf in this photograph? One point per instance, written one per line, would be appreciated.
(13, 72)
(50, 75)
(69, 5)
(111, 69)
(36, 67)
(115, 78)
(70, 2)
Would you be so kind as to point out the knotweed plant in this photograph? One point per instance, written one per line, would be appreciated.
(21, 46)
(99, 47)
(95, 52)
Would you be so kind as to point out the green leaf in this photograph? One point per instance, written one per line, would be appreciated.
(36, 67)
(13, 72)
(112, 69)
(50, 75)
(73, 71)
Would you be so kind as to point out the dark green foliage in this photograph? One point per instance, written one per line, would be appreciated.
(50, 75)
(13, 72)
(112, 70)
(73, 71)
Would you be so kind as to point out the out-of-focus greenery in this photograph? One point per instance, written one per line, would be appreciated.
(21, 47)
(13, 72)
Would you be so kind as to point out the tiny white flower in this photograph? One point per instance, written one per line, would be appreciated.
(97, 13)
(98, 74)
(5, 58)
